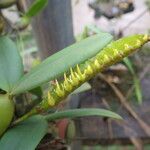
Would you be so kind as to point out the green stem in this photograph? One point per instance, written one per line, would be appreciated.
(32, 112)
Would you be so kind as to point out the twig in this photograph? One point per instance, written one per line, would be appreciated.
(122, 99)
(135, 141)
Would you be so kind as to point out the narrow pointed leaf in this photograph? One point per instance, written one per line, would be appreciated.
(36, 7)
(57, 64)
(136, 81)
(82, 113)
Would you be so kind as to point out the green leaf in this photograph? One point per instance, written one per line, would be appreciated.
(128, 63)
(82, 36)
(11, 68)
(138, 91)
(82, 113)
(54, 66)
(26, 135)
(36, 7)
(37, 91)
(84, 87)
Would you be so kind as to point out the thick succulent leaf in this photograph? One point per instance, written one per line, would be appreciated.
(82, 113)
(26, 135)
(57, 64)
(11, 68)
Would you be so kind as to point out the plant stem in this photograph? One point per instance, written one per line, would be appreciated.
(31, 113)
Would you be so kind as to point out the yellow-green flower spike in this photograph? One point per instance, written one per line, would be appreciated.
(146, 37)
(89, 70)
(80, 74)
(126, 46)
(138, 42)
(66, 84)
(96, 63)
(59, 90)
(65, 79)
(78, 70)
(72, 73)
(50, 99)
(57, 85)
(111, 54)
(73, 78)
(77, 76)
